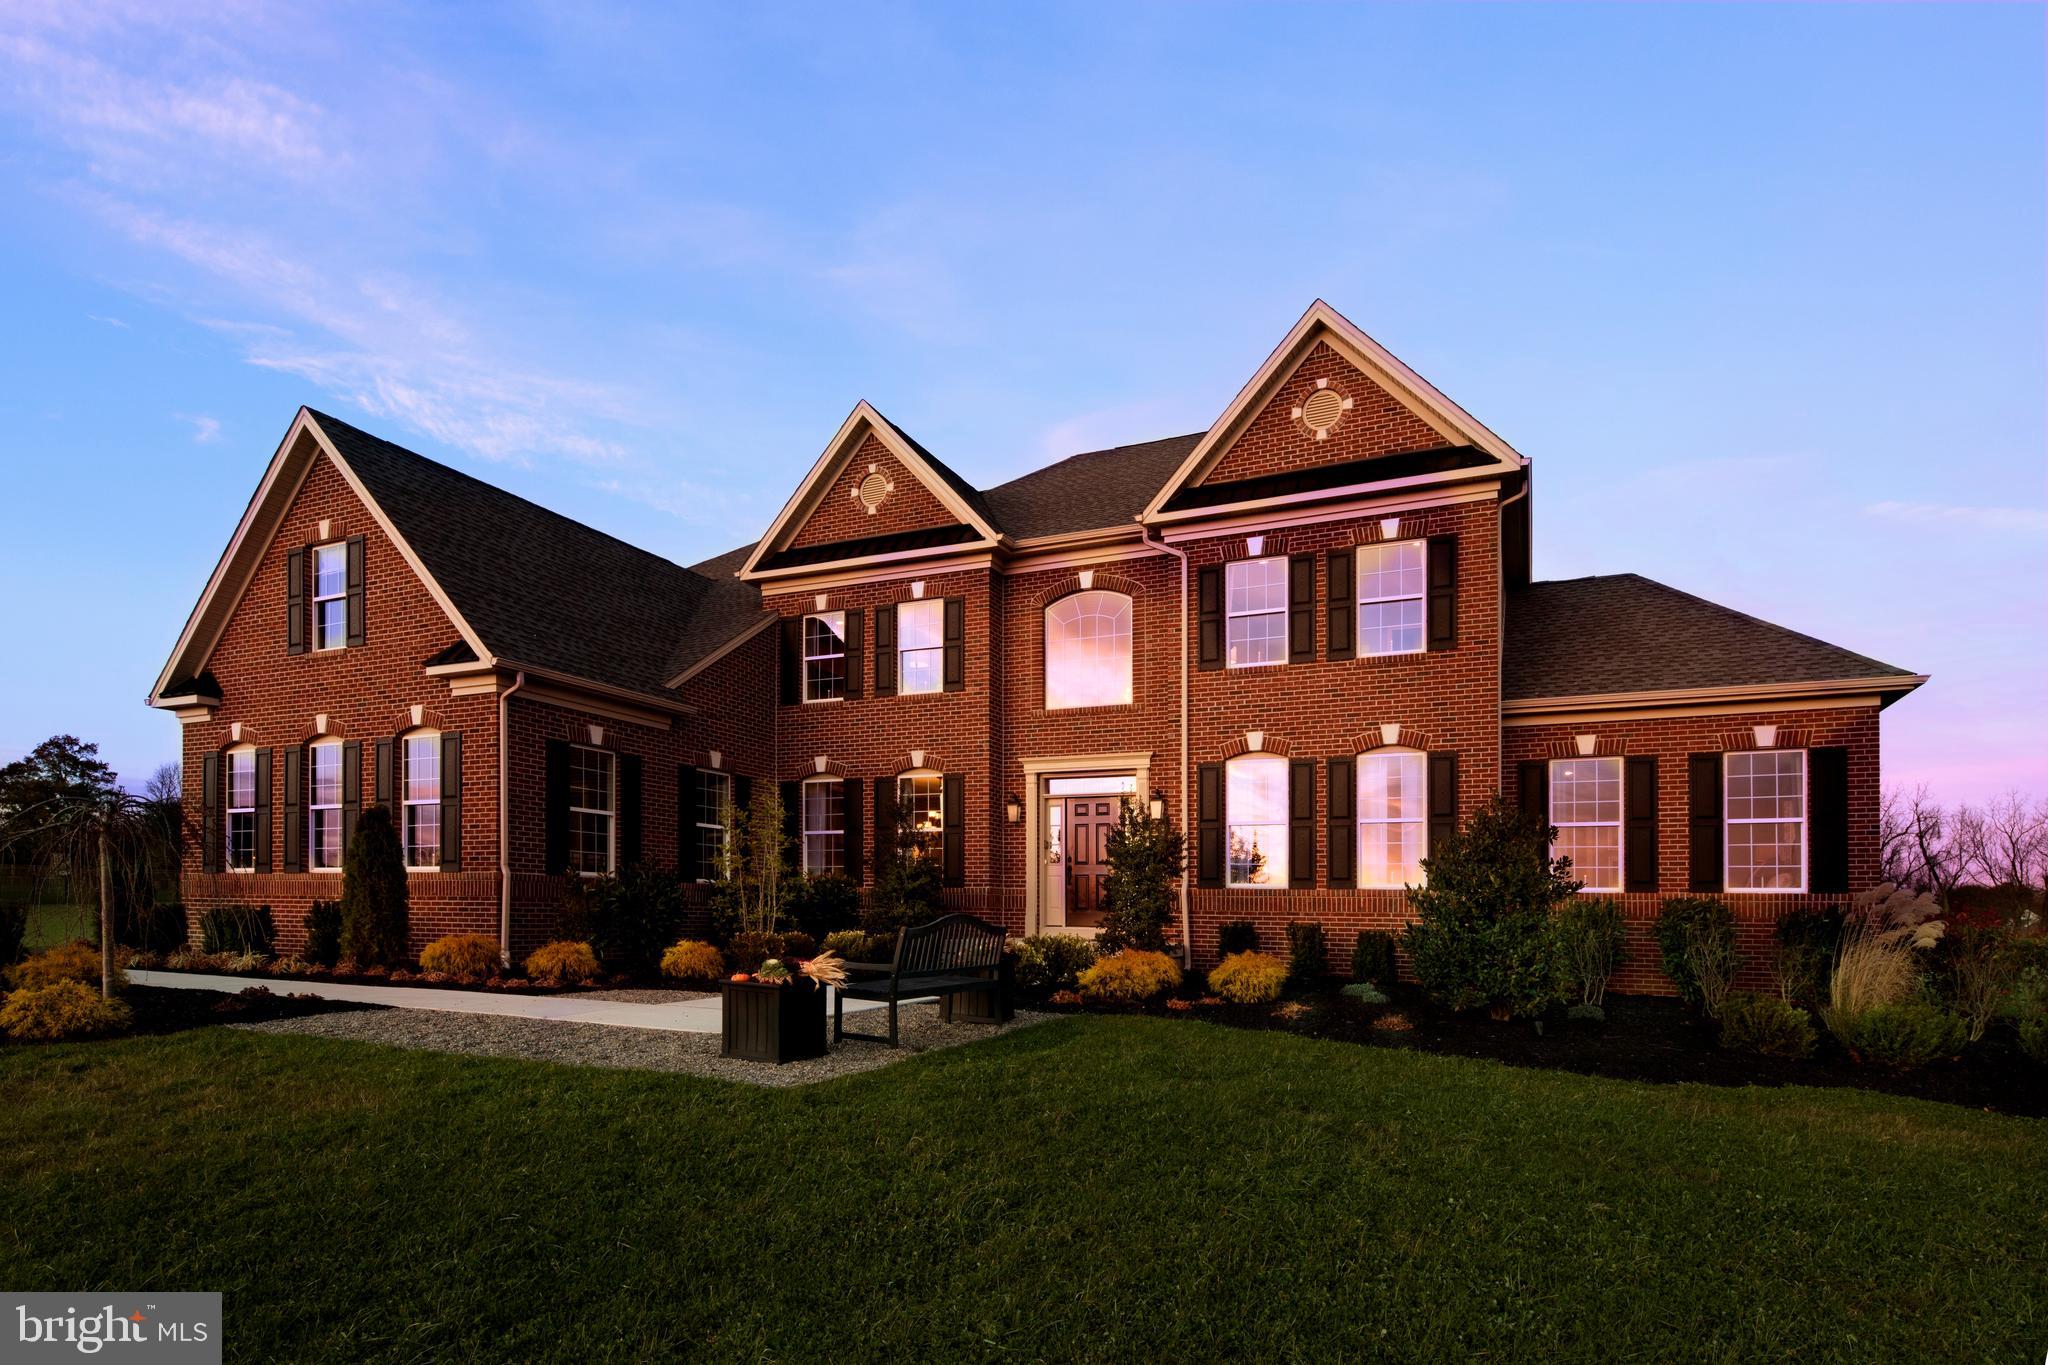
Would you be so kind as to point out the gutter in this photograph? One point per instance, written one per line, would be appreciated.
(1187, 940)
(505, 824)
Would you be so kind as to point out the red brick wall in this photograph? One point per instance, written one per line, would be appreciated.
(840, 516)
(1276, 442)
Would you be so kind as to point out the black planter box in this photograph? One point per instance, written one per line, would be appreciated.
(764, 1023)
(994, 1005)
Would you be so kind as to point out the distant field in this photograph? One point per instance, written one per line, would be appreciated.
(49, 925)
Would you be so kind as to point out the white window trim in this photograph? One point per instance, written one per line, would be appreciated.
(318, 598)
(611, 849)
(1229, 615)
(1619, 823)
(312, 786)
(1805, 812)
(805, 830)
(809, 658)
(1421, 822)
(1130, 689)
(1279, 884)
(230, 810)
(903, 801)
(935, 606)
(1358, 623)
(403, 780)
(724, 827)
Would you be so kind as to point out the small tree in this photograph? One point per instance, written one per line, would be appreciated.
(756, 857)
(1145, 858)
(374, 920)
(1483, 935)
(910, 883)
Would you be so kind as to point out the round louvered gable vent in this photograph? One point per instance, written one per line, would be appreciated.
(871, 491)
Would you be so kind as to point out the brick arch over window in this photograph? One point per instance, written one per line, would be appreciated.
(933, 760)
(1068, 586)
(810, 768)
(1269, 744)
(431, 718)
(1411, 737)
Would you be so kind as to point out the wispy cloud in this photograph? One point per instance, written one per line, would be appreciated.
(205, 430)
(111, 322)
(2028, 520)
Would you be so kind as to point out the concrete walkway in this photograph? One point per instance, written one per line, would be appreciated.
(676, 1016)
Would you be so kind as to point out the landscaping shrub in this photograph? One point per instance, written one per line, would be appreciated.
(691, 960)
(60, 1010)
(910, 882)
(374, 912)
(748, 951)
(468, 956)
(1372, 959)
(628, 918)
(1886, 936)
(1808, 939)
(74, 961)
(1249, 978)
(1765, 1024)
(858, 945)
(323, 933)
(1586, 1014)
(1695, 934)
(1129, 977)
(1366, 993)
(821, 906)
(1975, 970)
(1052, 962)
(1237, 936)
(1145, 858)
(2034, 1038)
(1483, 936)
(1589, 939)
(1308, 952)
(13, 929)
(150, 928)
(236, 929)
(1903, 1035)
(562, 962)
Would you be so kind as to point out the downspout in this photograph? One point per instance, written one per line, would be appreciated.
(1187, 939)
(1500, 653)
(505, 823)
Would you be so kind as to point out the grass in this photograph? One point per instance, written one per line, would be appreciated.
(1092, 1188)
(53, 923)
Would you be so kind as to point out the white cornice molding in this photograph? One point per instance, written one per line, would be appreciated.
(1750, 696)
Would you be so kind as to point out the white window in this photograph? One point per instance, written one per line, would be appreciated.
(1390, 583)
(1088, 650)
(330, 597)
(1393, 806)
(1255, 611)
(241, 830)
(593, 804)
(824, 825)
(1766, 805)
(921, 798)
(825, 656)
(1255, 804)
(323, 776)
(714, 807)
(423, 801)
(1585, 805)
(920, 647)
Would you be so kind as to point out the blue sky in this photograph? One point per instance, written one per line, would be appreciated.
(1759, 289)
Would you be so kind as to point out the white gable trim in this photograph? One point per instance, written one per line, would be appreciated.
(1324, 323)
(841, 448)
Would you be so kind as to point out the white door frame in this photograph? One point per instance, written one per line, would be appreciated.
(1036, 773)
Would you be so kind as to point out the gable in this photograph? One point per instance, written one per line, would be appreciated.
(842, 513)
(1369, 422)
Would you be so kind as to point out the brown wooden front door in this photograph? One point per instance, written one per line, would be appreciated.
(1088, 819)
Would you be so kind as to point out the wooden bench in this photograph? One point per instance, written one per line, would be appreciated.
(947, 957)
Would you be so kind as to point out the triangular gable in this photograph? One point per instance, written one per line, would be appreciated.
(873, 483)
(1370, 389)
(303, 444)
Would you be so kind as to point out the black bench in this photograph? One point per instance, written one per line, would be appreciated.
(947, 957)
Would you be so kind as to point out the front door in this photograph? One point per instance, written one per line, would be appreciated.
(1086, 822)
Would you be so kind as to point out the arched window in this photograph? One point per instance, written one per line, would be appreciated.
(421, 801)
(323, 806)
(1255, 798)
(1088, 650)
(1393, 816)
(241, 809)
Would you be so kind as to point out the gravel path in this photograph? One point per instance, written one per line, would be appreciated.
(548, 1040)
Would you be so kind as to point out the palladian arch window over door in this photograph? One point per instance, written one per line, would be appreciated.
(1088, 650)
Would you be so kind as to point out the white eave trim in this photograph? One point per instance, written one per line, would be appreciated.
(1761, 693)
(1484, 480)
(978, 549)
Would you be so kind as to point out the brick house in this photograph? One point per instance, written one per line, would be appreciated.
(1309, 633)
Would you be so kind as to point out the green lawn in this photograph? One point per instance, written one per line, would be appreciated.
(55, 923)
(1096, 1187)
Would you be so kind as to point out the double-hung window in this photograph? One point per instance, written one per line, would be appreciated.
(323, 773)
(714, 804)
(1766, 820)
(593, 808)
(824, 825)
(241, 832)
(1585, 805)
(921, 797)
(1255, 611)
(1390, 584)
(1255, 799)
(1088, 650)
(330, 596)
(1393, 807)
(825, 656)
(423, 802)
(920, 647)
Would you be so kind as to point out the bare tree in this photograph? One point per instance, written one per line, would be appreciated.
(1920, 843)
(2003, 842)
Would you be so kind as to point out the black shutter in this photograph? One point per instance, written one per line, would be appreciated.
(263, 810)
(956, 645)
(210, 816)
(689, 849)
(1639, 832)
(1703, 820)
(555, 805)
(1535, 790)
(356, 632)
(885, 822)
(629, 811)
(1209, 618)
(855, 666)
(1443, 592)
(1443, 799)
(885, 651)
(1301, 611)
(955, 797)
(1209, 825)
(294, 809)
(793, 823)
(295, 602)
(1301, 818)
(382, 785)
(351, 791)
(451, 802)
(855, 843)
(1827, 820)
(792, 660)
(1341, 813)
(1341, 566)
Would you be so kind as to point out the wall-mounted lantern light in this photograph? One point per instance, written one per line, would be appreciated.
(1157, 804)
(1013, 809)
